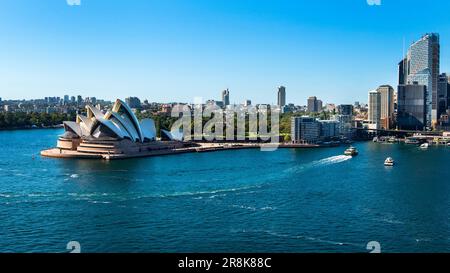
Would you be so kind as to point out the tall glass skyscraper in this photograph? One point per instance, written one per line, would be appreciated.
(281, 96)
(423, 68)
(226, 97)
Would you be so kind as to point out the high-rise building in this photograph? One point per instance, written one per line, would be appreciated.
(448, 96)
(422, 66)
(402, 72)
(79, 100)
(66, 99)
(319, 105)
(247, 102)
(345, 109)
(412, 107)
(226, 97)
(386, 106)
(374, 111)
(133, 102)
(314, 105)
(442, 97)
(73, 99)
(281, 96)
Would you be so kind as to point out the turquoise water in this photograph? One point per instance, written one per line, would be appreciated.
(313, 200)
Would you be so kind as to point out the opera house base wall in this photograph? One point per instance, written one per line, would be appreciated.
(111, 149)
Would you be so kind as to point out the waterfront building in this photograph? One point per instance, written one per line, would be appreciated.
(402, 72)
(133, 102)
(374, 111)
(412, 107)
(442, 96)
(448, 96)
(112, 134)
(344, 125)
(226, 97)
(386, 106)
(329, 128)
(422, 66)
(281, 96)
(305, 129)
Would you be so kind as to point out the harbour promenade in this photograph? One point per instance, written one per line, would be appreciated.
(168, 149)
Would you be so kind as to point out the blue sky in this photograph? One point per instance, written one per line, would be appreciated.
(169, 50)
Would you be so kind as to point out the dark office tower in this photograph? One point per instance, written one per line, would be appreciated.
(133, 102)
(79, 100)
(402, 73)
(312, 104)
(319, 105)
(411, 113)
(226, 97)
(448, 95)
(442, 99)
(423, 67)
(345, 109)
(281, 96)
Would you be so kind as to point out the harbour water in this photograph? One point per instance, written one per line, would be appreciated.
(308, 200)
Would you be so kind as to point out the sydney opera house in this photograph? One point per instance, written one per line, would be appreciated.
(112, 134)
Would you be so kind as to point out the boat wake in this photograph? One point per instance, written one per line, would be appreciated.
(302, 237)
(320, 163)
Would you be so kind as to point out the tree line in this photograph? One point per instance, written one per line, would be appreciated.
(21, 120)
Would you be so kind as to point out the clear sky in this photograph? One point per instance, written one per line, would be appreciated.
(169, 50)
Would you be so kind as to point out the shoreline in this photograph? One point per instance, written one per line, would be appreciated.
(31, 128)
(202, 148)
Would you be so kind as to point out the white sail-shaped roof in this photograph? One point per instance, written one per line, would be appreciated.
(85, 124)
(174, 134)
(108, 123)
(120, 106)
(148, 129)
(73, 126)
(126, 123)
(119, 123)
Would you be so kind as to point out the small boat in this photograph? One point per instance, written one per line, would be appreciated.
(375, 139)
(411, 141)
(351, 151)
(424, 146)
(389, 162)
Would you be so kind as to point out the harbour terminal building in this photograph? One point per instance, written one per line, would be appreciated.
(114, 134)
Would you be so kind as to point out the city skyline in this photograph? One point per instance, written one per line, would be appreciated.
(250, 49)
